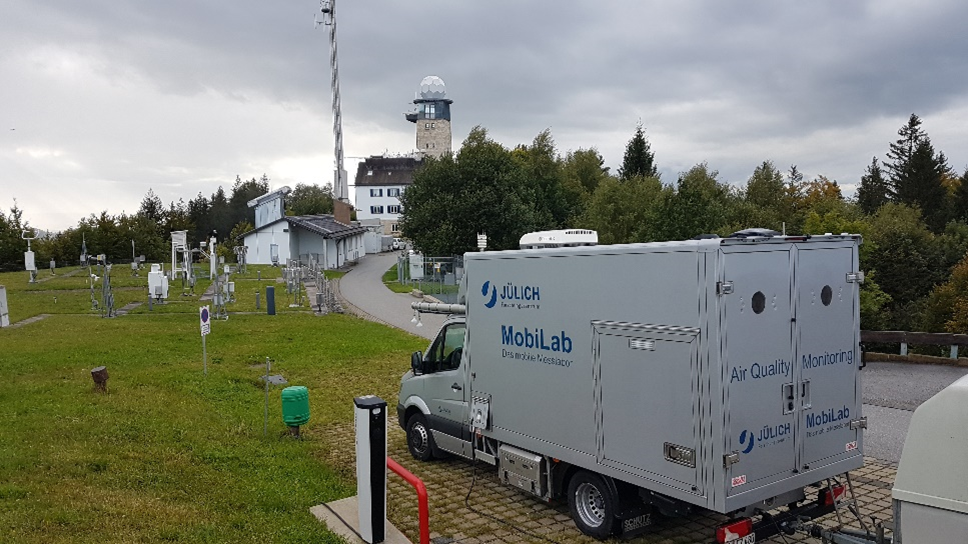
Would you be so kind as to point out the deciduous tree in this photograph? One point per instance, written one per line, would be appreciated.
(480, 190)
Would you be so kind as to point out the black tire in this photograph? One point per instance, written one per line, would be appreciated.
(420, 441)
(593, 504)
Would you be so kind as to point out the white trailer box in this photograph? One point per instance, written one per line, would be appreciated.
(931, 490)
(716, 373)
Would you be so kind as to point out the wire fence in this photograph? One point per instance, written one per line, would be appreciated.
(438, 277)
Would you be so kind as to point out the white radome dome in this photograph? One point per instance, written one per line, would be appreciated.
(432, 87)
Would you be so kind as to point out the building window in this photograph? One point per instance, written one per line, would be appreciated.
(426, 126)
(430, 111)
(393, 192)
(376, 209)
(376, 192)
(394, 227)
(369, 172)
(433, 125)
(393, 209)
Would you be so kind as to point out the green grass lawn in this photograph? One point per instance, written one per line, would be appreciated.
(392, 282)
(168, 454)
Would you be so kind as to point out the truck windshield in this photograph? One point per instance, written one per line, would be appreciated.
(448, 348)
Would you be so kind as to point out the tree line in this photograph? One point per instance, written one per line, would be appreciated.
(226, 214)
(912, 210)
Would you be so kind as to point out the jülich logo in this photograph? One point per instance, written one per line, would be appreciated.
(493, 299)
(768, 436)
(520, 297)
(744, 437)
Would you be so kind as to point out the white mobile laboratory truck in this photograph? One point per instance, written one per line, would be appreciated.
(718, 374)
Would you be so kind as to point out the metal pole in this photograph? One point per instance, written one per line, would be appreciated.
(204, 357)
(265, 425)
(328, 8)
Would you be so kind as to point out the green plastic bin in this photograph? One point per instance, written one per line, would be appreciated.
(295, 405)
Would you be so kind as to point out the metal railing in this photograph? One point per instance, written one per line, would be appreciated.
(905, 338)
(423, 509)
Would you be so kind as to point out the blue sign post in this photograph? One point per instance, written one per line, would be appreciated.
(204, 318)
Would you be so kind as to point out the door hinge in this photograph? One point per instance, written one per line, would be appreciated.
(730, 459)
(724, 287)
(855, 277)
(860, 423)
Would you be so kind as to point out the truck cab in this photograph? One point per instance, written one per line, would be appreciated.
(433, 406)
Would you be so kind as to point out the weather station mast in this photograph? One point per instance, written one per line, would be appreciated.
(341, 202)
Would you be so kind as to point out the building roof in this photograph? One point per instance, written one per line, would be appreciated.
(383, 171)
(278, 193)
(325, 226)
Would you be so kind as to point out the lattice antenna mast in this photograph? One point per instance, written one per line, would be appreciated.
(340, 185)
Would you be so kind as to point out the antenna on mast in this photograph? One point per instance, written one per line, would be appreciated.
(340, 188)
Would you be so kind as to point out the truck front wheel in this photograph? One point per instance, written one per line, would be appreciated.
(593, 504)
(419, 440)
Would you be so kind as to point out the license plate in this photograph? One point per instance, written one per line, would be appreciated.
(638, 522)
(748, 539)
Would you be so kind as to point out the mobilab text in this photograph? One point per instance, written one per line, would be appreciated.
(535, 339)
(829, 415)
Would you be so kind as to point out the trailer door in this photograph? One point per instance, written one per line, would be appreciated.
(757, 323)
(648, 402)
(828, 387)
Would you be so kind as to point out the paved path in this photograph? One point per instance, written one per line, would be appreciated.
(61, 275)
(892, 391)
(363, 290)
(27, 321)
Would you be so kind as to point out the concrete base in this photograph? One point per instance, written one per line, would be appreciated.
(343, 518)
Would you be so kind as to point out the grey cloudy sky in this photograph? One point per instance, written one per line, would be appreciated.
(103, 99)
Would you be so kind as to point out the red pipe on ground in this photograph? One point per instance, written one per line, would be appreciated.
(423, 508)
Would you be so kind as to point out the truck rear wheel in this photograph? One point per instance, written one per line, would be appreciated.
(420, 441)
(593, 504)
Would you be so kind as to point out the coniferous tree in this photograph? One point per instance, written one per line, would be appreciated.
(873, 191)
(960, 200)
(152, 208)
(198, 214)
(918, 174)
(639, 160)
(218, 212)
(902, 149)
(12, 246)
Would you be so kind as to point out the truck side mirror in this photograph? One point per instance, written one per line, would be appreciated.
(416, 363)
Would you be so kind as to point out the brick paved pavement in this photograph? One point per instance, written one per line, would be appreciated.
(499, 514)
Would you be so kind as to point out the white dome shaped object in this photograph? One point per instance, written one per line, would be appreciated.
(432, 87)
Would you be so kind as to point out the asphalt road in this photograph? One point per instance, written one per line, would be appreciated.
(891, 391)
(363, 288)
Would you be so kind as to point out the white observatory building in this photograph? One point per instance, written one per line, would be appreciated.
(380, 180)
(432, 117)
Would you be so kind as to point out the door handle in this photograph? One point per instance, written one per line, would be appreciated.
(788, 398)
(456, 387)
